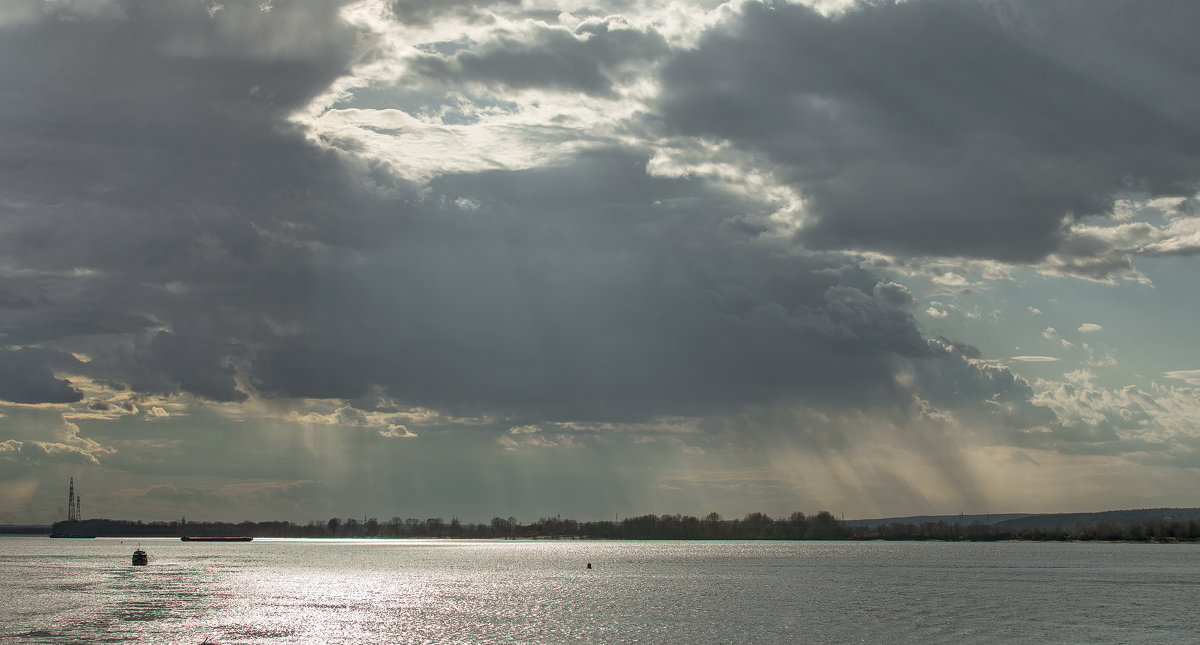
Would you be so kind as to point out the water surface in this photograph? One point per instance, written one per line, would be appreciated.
(442, 591)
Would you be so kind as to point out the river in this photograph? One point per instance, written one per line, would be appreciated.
(694, 593)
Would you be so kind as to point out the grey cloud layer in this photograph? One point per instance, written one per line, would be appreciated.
(585, 60)
(171, 226)
(228, 255)
(150, 181)
(418, 12)
(587, 290)
(27, 376)
(953, 128)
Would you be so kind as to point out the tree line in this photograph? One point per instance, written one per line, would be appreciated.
(754, 526)
(1152, 531)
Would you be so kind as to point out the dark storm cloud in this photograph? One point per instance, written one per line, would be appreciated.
(27, 376)
(195, 362)
(550, 57)
(952, 128)
(37, 324)
(957, 380)
(125, 128)
(149, 181)
(586, 290)
(153, 186)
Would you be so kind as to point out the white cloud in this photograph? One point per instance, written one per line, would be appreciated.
(1155, 424)
(1088, 328)
(385, 423)
(41, 453)
(1033, 359)
(33, 435)
(1191, 377)
(397, 431)
(532, 436)
(951, 279)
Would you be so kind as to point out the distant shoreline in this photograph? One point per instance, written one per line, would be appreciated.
(1072, 540)
(1144, 525)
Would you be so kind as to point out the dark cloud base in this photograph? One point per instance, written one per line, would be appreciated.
(236, 258)
(951, 128)
(165, 219)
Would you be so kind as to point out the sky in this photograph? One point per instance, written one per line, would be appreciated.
(302, 259)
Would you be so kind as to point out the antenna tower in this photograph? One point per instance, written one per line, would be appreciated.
(71, 515)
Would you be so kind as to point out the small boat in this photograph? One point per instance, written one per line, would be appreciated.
(189, 538)
(140, 558)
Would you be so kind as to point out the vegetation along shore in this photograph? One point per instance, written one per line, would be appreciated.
(1164, 525)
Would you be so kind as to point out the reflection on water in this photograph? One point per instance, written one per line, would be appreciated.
(317, 591)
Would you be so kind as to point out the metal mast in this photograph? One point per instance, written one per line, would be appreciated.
(71, 503)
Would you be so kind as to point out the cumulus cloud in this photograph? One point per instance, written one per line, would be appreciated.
(1087, 328)
(897, 120)
(33, 437)
(1051, 333)
(1144, 228)
(1154, 425)
(397, 431)
(387, 423)
(40, 453)
(972, 389)
(532, 436)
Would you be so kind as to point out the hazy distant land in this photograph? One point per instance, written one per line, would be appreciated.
(1046, 521)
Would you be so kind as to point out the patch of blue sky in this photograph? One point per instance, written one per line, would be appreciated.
(1124, 333)
(446, 47)
(450, 108)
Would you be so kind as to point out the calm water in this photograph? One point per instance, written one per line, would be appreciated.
(435, 591)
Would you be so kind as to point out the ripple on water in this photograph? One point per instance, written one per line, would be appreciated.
(691, 593)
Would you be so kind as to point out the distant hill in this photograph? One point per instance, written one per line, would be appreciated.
(966, 520)
(24, 529)
(1068, 521)
(1046, 521)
